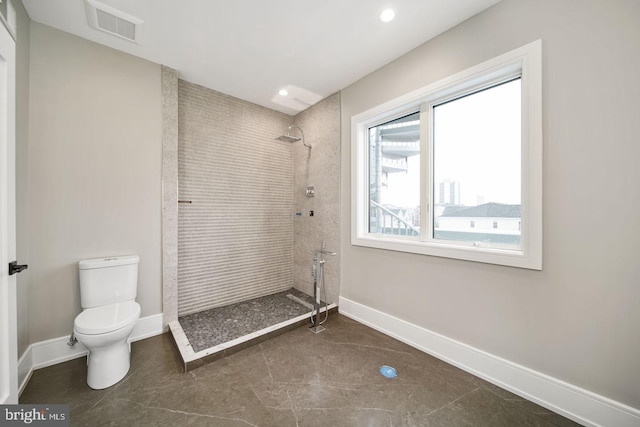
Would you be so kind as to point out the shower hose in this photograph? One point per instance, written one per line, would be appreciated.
(320, 280)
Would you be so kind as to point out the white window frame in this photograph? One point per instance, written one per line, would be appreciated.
(525, 62)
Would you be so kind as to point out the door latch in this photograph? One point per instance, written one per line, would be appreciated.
(15, 268)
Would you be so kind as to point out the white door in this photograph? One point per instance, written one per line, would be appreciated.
(8, 334)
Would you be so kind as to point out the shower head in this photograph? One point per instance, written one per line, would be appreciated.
(290, 138)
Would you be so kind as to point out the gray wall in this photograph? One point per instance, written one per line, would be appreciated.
(319, 167)
(22, 171)
(577, 319)
(95, 168)
(235, 240)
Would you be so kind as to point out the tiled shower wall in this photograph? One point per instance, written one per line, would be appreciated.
(235, 238)
(318, 167)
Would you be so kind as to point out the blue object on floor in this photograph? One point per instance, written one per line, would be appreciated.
(388, 371)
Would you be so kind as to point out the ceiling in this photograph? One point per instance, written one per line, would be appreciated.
(251, 49)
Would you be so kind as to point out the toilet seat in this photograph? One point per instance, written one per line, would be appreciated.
(107, 318)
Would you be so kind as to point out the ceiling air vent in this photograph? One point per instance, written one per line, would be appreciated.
(106, 18)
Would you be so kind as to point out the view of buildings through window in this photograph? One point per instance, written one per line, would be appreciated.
(476, 173)
(394, 177)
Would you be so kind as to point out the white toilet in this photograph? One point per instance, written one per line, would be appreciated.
(108, 288)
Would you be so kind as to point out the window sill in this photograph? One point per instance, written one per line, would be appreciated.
(509, 258)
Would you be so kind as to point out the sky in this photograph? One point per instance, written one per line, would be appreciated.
(477, 143)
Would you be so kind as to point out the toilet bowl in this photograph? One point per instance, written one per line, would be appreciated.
(104, 331)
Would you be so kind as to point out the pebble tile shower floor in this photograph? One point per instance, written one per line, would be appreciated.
(209, 328)
(296, 379)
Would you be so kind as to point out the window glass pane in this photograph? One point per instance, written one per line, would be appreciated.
(477, 162)
(394, 177)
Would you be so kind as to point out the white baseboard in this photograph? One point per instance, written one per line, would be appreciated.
(51, 352)
(573, 402)
(147, 327)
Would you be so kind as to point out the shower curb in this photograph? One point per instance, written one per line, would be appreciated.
(192, 360)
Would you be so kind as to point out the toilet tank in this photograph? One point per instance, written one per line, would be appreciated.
(108, 280)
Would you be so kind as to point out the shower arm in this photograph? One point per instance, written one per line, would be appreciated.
(301, 133)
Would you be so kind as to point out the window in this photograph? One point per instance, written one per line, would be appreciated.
(435, 171)
(476, 148)
(394, 176)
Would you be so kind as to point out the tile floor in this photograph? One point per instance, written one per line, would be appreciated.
(296, 379)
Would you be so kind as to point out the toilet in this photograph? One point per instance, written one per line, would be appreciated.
(108, 288)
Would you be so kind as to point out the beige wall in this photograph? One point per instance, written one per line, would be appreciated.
(95, 172)
(577, 319)
(318, 167)
(22, 171)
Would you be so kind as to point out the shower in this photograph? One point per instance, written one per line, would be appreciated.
(243, 236)
(291, 138)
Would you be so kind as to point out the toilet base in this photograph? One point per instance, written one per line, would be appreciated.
(107, 366)
(109, 356)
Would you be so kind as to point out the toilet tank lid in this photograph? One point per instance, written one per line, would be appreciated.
(113, 261)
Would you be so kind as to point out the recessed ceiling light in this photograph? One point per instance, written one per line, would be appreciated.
(296, 98)
(387, 15)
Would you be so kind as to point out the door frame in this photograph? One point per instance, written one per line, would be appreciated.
(8, 314)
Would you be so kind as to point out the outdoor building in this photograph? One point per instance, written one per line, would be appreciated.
(489, 222)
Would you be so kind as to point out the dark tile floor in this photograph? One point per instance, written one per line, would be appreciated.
(296, 379)
(218, 325)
